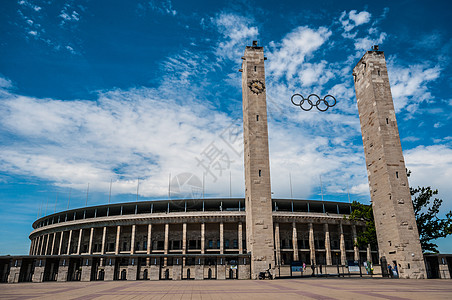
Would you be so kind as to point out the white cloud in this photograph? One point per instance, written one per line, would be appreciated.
(432, 166)
(68, 15)
(365, 44)
(236, 31)
(288, 57)
(125, 135)
(164, 7)
(5, 83)
(353, 19)
(411, 139)
(409, 86)
(29, 5)
(70, 49)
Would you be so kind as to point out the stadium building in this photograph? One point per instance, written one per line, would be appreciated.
(181, 239)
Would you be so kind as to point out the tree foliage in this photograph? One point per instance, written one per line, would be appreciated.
(429, 225)
(426, 210)
(364, 213)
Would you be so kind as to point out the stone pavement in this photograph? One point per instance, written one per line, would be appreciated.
(307, 288)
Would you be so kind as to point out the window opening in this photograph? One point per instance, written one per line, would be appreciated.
(257, 117)
(397, 174)
(260, 173)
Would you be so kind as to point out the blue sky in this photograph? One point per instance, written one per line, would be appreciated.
(99, 91)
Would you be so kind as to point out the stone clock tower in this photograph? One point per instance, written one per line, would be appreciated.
(259, 222)
(397, 234)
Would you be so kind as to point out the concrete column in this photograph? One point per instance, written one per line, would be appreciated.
(32, 243)
(35, 246)
(47, 244)
(342, 245)
(355, 240)
(132, 240)
(184, 238)
(311, 243)
(31, 247)
(86, 269)
(69, 243)
(109, 269)
(118, 233)
(148, 248)
(90, 246)
(104, 235)
(52, 250)
(38, 273)
(203, 237)
(329, 261)
(39, 248)
(79, 241)
(240, 238)
(221, 238)
(41, 251)
(277, 244)
(14, 271)
(43, 245)
(369, 254)
(166, 245)
(61, 242)
(295, 241)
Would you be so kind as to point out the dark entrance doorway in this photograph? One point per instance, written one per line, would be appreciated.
(449, 263)
(26, 270)
(94, 268)
(4, 270)
(432, 267)
(74, 269)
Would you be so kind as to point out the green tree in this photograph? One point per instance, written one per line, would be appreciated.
(364, 213)
(426, 210)
(429, 225)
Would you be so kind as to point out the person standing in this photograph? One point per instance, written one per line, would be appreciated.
(304, 266)
(395, 271)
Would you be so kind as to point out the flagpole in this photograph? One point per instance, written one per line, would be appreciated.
(169, 186)
(348, 193)
(109, 195)
(290, 181)
(203, 179)
(87, 193)
(138, 185)
(230, 185)
(69, 199)
(56, 200)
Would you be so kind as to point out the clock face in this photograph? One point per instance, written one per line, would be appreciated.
(256, 86)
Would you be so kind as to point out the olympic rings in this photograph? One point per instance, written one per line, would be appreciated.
(320, 104)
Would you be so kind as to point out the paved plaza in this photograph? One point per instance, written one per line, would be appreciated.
(307, 288)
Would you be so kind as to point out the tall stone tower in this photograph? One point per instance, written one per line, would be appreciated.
(397, 234)
(259, 222)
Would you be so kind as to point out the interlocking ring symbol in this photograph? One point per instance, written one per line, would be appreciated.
(321, 104)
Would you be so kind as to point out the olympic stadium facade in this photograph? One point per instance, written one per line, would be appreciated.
(182, 239)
